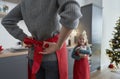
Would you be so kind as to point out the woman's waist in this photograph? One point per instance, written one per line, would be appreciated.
(46, 57)
(42, 36)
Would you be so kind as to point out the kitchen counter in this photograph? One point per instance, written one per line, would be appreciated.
(10, 54)
(13, 64)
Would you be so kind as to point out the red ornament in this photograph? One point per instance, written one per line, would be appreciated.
(111, 66)
(1, 48)
(46, 45)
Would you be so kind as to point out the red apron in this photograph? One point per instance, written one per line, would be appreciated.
(37, 59)
(81, 69)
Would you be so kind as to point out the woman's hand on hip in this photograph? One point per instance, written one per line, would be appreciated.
(27, 45)
(49, 47)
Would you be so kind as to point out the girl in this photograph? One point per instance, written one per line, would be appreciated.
(80, 53)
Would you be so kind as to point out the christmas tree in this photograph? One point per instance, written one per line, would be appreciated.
(114, 52)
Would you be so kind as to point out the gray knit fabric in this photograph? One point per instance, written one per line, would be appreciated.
(42, 19)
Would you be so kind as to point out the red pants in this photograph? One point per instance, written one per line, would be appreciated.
(81, 69)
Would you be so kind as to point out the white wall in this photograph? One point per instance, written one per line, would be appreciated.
(81, 2)
(6, 40)
(85, 2)
(111, 12)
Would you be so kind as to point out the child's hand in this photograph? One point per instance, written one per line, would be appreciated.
(77, 49)
(82, 55)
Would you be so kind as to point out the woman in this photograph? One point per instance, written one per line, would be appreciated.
(42, 20)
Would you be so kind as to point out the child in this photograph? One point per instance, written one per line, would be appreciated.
(80, 53)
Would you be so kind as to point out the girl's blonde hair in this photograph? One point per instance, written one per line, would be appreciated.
(84, 35)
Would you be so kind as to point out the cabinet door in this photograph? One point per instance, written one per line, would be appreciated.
(13, 67)
(70, 63)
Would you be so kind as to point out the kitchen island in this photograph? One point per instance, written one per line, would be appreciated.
(13, 65)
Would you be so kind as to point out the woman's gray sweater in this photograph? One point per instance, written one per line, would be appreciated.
(43, 19)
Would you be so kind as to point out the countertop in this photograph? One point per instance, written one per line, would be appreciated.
(9, 54)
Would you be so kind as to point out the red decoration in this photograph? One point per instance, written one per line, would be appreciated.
(111, 66)
(46, 45)
(1, 48)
